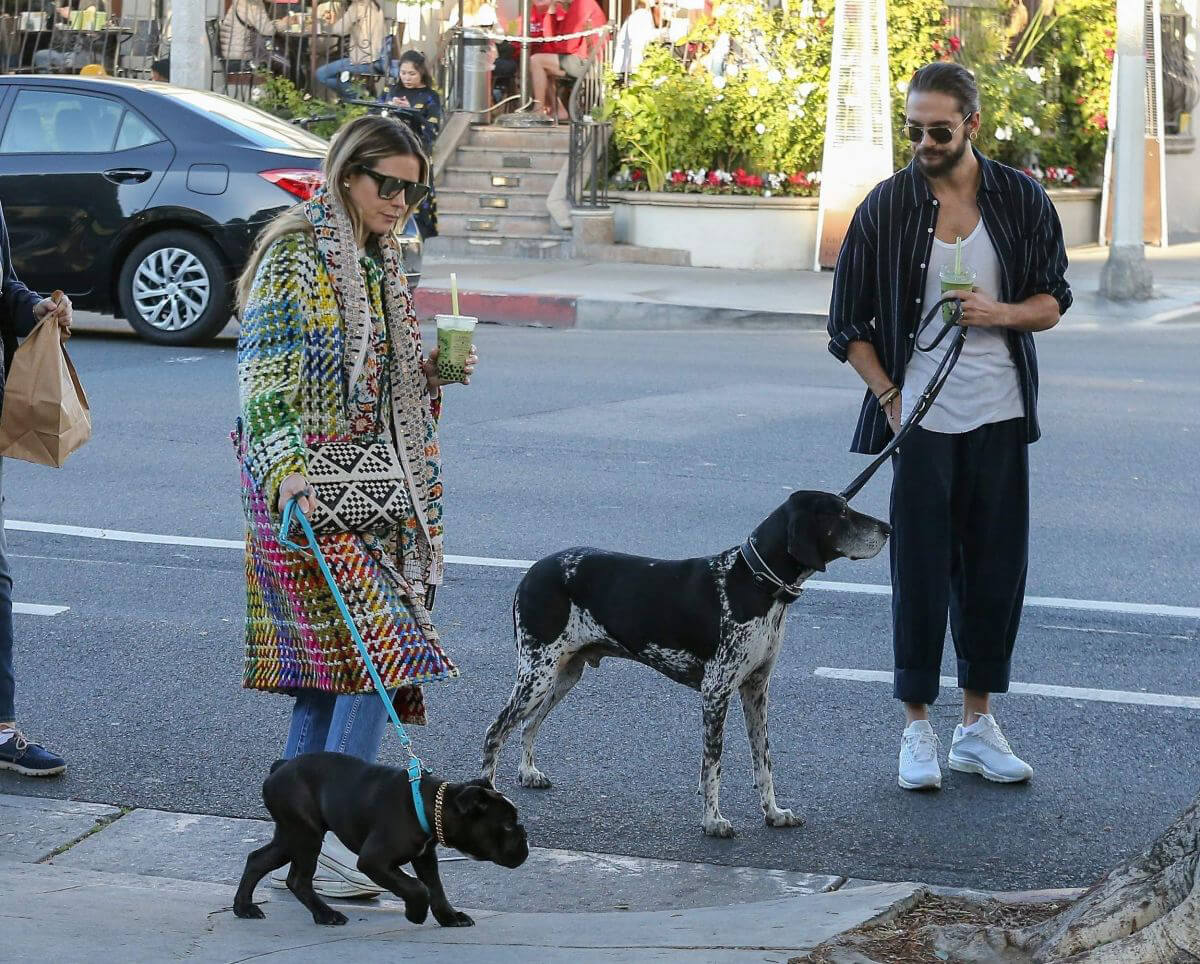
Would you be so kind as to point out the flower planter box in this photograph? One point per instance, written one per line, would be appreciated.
(776, 233)
(1079, 211)
(720, 231)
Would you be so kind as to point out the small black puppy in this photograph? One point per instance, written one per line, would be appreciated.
(370, 808)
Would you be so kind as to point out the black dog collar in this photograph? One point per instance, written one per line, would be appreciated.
(763, 575)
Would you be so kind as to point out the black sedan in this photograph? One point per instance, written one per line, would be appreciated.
(143, 200)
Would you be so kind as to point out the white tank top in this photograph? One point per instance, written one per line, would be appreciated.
(983, 387)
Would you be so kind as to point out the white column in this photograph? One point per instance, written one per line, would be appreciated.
(189, 45)
(1126, 275)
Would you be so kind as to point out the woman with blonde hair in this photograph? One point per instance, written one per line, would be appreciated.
(330, 350)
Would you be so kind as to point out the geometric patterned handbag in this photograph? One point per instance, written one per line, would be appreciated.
(357, 487)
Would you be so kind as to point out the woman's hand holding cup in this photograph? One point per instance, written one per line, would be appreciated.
(430, 366)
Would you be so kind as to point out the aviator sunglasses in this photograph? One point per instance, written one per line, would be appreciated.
(941, 134)
(389, 187)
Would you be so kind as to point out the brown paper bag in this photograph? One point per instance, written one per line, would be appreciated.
(46, 415)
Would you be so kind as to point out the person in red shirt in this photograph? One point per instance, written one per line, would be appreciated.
(564, 58)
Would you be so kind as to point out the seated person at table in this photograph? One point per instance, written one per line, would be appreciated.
(69, 50)
(564, 58)
(415, 91)
(245, 30)
(364, 23)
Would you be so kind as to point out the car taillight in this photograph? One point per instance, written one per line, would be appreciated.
(301, 182)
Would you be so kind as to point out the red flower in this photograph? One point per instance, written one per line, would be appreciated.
(956, 43)
(1079, 101)
(1109, 53)
(945, 23)
(1101, 121)
(937, 47)
(712, 179)
(754, 181)
(678, 177)
(799, 179)
(637, 175)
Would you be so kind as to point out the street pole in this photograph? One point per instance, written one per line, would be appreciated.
(523, 116)
(524, 68)
(1126, 275)
(189, 47)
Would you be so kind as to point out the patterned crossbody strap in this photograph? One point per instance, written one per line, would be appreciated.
(293, 512)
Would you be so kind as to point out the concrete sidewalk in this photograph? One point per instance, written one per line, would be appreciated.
(582, 294)
(91, 883)
(605, 295)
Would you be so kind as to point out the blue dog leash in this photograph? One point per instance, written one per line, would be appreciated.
(293, 513)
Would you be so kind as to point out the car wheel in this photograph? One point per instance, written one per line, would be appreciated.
(174, 289)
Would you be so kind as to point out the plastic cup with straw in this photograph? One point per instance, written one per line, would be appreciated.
(955, 277)
(455, 334)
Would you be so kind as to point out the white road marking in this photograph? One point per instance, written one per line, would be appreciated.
(1047, 602)
(1032, 689)
(37, 609)
(119, 535)
(1111, 632)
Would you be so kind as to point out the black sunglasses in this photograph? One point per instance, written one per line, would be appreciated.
(941, 134)
(390, 187)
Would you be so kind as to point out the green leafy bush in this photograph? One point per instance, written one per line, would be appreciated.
(761, 107)
(279, 96)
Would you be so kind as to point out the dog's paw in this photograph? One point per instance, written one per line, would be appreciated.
(453, 918)
(249, 912)
(329, 916)
(784, 818)
(534, 778)
(416, 909)
(719, 827)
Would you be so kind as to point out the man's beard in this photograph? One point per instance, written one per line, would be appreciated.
(943, 163)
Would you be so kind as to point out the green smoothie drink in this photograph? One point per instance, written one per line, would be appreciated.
(955, 277)
(454, 334)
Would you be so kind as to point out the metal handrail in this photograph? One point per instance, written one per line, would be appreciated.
(587, 167)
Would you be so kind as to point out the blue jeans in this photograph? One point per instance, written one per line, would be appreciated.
(328, 76)
(8, 708)
(350, 723)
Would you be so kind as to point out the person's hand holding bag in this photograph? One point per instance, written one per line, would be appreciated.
(58, 305)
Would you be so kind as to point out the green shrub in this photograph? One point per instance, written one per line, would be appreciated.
(279, 96)
(762, 110)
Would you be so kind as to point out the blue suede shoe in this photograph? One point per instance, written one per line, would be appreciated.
(29, 759)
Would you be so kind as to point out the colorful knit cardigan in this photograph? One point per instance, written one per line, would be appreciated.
(291, 380)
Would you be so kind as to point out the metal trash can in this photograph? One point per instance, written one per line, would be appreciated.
(476, 70)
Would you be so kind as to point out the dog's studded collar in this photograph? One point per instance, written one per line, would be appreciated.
(763, 575)
(438, 800)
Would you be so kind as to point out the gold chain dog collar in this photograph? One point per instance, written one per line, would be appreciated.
(437, 814)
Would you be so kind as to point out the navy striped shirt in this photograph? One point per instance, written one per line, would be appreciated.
(879, 282)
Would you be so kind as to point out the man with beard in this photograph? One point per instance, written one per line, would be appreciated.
(960, 487)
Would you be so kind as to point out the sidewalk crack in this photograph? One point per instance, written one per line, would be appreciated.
(101, 823)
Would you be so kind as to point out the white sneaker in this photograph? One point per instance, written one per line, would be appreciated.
(337, 873)
(919, 768)
(981, 748)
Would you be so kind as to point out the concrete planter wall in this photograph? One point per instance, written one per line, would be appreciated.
(720, 232)
(1079, 211)
(754, 233)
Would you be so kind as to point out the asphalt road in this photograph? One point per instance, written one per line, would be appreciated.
(668, 444)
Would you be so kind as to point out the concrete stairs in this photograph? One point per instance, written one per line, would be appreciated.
(492, 195)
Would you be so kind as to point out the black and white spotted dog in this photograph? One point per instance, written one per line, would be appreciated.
(714, 624)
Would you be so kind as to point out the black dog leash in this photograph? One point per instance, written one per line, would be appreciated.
(940, 375)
